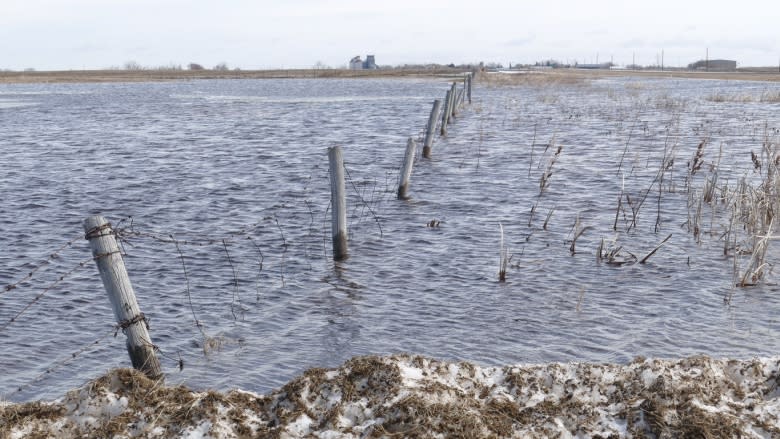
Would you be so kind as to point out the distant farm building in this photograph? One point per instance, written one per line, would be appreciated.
(721, 65)
(357, 63)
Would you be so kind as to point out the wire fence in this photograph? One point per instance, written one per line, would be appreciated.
(252, 254)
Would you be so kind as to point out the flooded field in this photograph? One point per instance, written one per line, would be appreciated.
(221, 189)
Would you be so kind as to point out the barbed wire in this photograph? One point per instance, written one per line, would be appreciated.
(284, 246)
(189, 294)
(60, 363)
(128, 233)
(236, 293)
(48, 288)
(260, 270)
(362, 200)
(53, 255)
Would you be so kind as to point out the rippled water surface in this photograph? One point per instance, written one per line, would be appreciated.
(238, 169)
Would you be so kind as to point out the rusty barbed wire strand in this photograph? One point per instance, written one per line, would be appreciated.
(376, 218)
(284, 246)
(58, 364)
(127, 233)
(51, 286)
(36, 268)
(260, 270)
(235, 285)
(189, 294)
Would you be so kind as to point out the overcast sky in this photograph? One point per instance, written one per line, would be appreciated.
(254, 34)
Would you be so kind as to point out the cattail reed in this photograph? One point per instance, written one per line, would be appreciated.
(503, 260)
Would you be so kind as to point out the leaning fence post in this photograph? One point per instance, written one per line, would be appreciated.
(431, 128)
(406, 170)
(107, 255)
(339, 201)
(446, 113)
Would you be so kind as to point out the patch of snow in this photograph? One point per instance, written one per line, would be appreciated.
(410, 374)
(200, 431)
(299, 428)
(648, 377)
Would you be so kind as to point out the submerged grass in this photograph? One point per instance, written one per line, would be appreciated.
(765, 97)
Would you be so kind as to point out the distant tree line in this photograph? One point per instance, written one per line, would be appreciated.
(133, 65)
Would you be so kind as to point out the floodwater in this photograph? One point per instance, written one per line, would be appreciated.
(236, 171)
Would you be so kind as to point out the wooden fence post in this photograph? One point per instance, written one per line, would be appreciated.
(431, 128)
(468, 88)
(446, 113)
(406, 170)
(454, 104)
(338, 199)
(108, 257)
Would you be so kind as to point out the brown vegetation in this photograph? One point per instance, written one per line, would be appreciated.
(141, 75)
(413, 396)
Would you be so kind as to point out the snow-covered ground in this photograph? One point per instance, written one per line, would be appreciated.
(414, 396)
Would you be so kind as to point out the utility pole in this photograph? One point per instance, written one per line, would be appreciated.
(707, 60)
(662, 60)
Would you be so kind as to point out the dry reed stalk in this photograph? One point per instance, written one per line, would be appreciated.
(503, 259)
(643, 260)
(547, 220)
(667, 163)
(531, 159)
(577, 231)
(545, 178)
(612, 254)
(754, 271)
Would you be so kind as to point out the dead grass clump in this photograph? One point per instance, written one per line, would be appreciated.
(412, 396)
(771, 97)
(370, 377)
(533, 78)
(766, 97)
(322, 394)
(16, 416)
(684, 400)
(151, 405)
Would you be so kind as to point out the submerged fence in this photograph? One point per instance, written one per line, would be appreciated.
(109, 244)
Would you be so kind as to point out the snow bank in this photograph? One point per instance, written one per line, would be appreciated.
(405, 396)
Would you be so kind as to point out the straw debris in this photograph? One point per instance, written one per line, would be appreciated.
(414, 396)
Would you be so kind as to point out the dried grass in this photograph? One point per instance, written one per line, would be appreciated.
(532, 78)
(766, 97)
(371, 397)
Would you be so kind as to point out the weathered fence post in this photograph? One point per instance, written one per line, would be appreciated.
(446, 113)
(107, 255)
(431, 128)
(406, 170)
(454, 104)
(468, 87)
(338, 199)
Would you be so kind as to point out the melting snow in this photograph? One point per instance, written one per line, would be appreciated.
(412, 395)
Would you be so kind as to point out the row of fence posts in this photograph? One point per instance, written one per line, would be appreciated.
(453, 100)
(108, 256)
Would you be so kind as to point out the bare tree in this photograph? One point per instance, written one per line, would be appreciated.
(195, 66)
(222, 67)
(132, 65)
